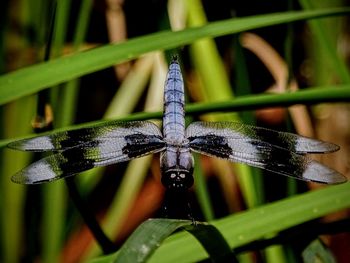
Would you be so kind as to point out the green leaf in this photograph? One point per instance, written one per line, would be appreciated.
(245, 227)
(213, 242)
(149, 235)
(42, 75)
(12, 198)
(147, 238)
(336, 93)
(340, 93)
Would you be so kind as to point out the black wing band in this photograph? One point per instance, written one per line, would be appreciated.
(215, 139)
(69, 139)
(239, 131)
(113, 145)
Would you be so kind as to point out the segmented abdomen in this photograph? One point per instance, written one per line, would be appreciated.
(174, 103)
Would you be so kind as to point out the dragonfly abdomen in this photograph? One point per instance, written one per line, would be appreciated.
(174, 105)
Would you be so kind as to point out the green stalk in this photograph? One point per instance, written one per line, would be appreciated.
(17, 115)
(82, 24)
(54, 206)
(69, 93)
(202, 191)
(310, 96)
(55, 194)
(275, 254)
(243, 87)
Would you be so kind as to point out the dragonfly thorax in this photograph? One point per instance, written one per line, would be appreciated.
(177, 168)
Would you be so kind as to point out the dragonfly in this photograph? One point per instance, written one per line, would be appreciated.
(75, 151)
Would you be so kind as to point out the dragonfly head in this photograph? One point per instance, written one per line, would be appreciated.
(177, 178)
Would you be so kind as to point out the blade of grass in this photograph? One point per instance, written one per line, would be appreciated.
(242, 86)
(12, 195)
(213, 242)
(135, 81)
(332, 93)
(54, 195)
(69, 93)
(42, 75)
(149, 236)
(258, 222)
(82, 24)
(144, 240)
(313, 95)
(53, 220)
(275, 254)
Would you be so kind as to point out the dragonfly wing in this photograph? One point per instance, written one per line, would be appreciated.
(69, 139)
(214, 139)
(239, 131)
(118, 146)
(54, 167)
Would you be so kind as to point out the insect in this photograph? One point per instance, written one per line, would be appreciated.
(82, 149)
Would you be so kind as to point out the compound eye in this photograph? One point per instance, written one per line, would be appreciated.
(182, 175)
(173, 175)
